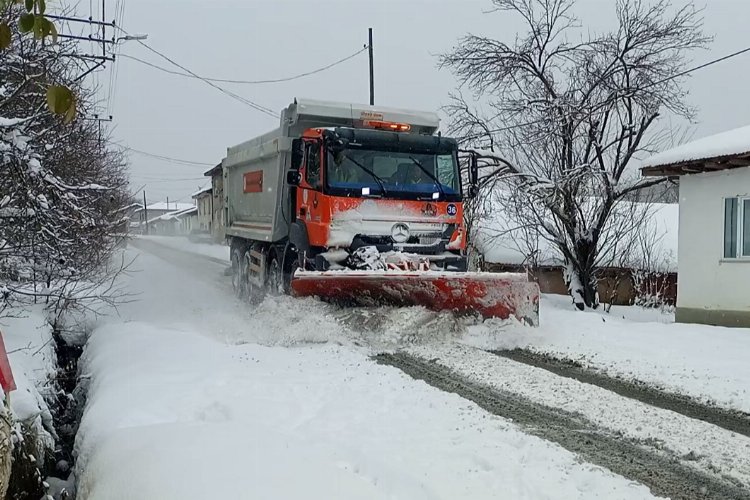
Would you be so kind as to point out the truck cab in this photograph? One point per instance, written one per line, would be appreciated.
(376, 188)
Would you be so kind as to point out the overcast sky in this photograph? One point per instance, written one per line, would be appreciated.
(264, 39)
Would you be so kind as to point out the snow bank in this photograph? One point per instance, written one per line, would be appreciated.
(729, 143)
(320, 422)
(28, 340)
(706, 362)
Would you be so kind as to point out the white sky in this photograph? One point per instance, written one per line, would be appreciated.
(259, 39)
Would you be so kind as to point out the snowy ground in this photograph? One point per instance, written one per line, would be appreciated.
(708, 363)
(194, 396)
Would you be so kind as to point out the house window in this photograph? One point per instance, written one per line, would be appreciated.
(736, 228)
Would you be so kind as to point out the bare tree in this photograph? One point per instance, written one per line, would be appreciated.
(570, 112)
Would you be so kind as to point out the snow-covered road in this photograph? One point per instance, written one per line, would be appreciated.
(190, 398)
(193, 395)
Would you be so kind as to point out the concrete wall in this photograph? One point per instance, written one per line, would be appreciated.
(712, 289)
(616, 285)
(205, 211)
(217, 184)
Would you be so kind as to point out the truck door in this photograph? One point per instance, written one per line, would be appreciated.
(310, 193)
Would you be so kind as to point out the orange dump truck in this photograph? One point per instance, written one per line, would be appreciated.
(359, 205)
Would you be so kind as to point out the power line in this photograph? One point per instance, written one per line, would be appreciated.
(243, 100)
(248, 82)
(168, 158)
(701, 66)
(653, 84)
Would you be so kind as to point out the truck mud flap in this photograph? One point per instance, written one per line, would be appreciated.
(488, 294)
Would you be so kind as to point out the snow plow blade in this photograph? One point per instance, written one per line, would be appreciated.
(489, 294)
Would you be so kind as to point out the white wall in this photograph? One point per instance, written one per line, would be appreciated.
(706, 280)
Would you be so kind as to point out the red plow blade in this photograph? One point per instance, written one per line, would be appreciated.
(489, 294)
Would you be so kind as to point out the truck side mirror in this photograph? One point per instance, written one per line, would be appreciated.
(298, 153)
(473, 175)
(293, 177)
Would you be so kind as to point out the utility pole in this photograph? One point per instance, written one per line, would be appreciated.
(372, 71)
(167, 202)
(145, 211)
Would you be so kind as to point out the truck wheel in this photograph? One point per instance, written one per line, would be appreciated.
(255, 294)
(238, 275)
(274, 276)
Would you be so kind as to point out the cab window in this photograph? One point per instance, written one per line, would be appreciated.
(312, 162)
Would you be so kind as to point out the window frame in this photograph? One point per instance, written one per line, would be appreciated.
(739, 254)
(313, 146)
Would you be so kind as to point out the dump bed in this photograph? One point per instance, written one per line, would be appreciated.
(255, 189)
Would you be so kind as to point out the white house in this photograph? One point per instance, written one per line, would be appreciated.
(714, 226)
(204, 201)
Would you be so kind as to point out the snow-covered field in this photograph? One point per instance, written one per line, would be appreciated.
(193, 397)
(706, 362)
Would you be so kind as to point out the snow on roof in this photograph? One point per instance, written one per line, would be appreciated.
(175, 215)
(173, 206)
(730, 143)
(207, 189)
(501, 243)
(354, 111)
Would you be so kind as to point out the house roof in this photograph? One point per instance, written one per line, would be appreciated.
(730, 149)
(172, 206)
(213, 171)
(200, 192)
(177, 214)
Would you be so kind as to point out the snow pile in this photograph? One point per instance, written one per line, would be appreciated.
(730, 143)
(28, 340)
(245, 419)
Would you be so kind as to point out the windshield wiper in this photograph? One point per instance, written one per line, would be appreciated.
(430, 175)
(370, 173)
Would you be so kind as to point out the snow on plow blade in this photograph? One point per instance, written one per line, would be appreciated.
(489, 294)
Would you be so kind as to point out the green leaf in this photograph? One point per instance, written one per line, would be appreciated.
(26, 23)
(42, 6)
(70, 115)
(51, 30)
(6, 37)
(60, 99)
(39, 27)
(29, 5)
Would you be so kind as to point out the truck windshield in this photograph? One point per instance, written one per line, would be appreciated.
(396, 174)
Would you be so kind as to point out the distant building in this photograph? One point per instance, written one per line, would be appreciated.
(153, 212)
(205, 202)
(217, 191)
(714, 226)
(175, 223)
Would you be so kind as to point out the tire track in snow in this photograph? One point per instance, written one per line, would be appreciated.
(663, 473)
(735, 421)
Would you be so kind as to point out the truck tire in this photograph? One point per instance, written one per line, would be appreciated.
(255, 294)
(238, 275)
(275, 275)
